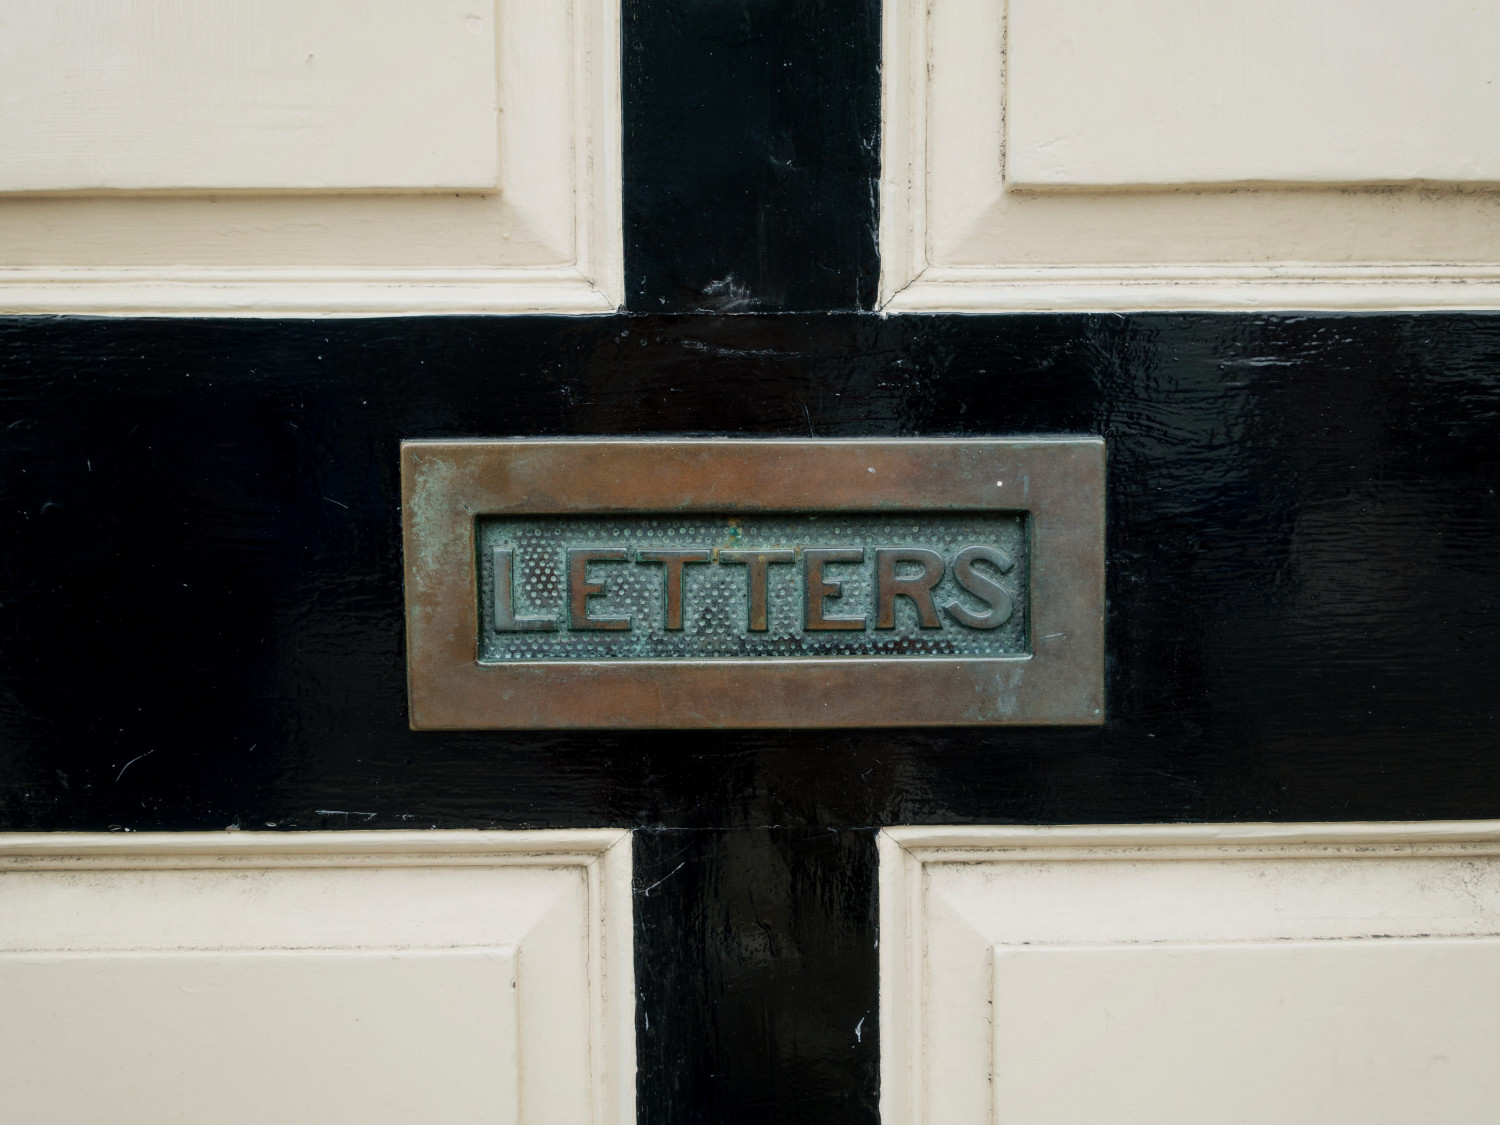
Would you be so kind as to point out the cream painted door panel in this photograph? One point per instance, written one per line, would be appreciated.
(393, 976)
(1195, 975)
(315, 157)
(1119, 154)
(1110, 93)
(1369, 1030)
(314, 1035)
(239, 95)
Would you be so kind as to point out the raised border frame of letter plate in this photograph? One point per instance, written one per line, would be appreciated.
(1057, 481)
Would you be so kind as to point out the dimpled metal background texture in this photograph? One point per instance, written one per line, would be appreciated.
(715, 615)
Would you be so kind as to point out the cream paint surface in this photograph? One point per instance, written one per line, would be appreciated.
(1130, 905)
(547, 239)
(325, 971)
(247, 95)
(956, 235)
(1104, 93)
(313, 1035)
(1379, 1031)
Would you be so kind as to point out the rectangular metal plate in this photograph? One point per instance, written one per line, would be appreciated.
(751, 583)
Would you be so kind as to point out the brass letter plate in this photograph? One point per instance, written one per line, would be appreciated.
(754, 583)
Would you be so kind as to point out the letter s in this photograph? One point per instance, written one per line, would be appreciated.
(983, 587)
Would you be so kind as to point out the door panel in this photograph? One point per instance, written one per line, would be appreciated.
(319, 158)
(1189, 973)
(128, 95)
(459, 976)
(1163, 93)
(1083, 156)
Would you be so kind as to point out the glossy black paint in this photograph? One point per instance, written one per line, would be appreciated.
(752, 153)
(200, 612)
(755, 966)
(202, 557)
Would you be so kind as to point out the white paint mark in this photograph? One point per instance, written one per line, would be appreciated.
(859, 1030)
(133, 761)
(664, 878)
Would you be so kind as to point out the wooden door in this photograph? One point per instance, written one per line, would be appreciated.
(201, 602)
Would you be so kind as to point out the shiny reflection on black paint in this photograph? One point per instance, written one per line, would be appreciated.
(202, 565)
(200, 612)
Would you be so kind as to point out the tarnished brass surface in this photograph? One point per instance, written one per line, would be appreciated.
(748, 583)
(674, 587)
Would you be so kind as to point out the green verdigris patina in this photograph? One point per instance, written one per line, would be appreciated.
(700, 586)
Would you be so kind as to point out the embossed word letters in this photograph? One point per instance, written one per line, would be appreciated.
(931, 587)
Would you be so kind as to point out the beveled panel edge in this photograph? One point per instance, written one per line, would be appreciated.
(377, 848)
(911, 282)
(312, 292)
(588, 72)
(906, 852)
(1232, 286)
(604, 856)
(446, 484)
(1004, 842)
